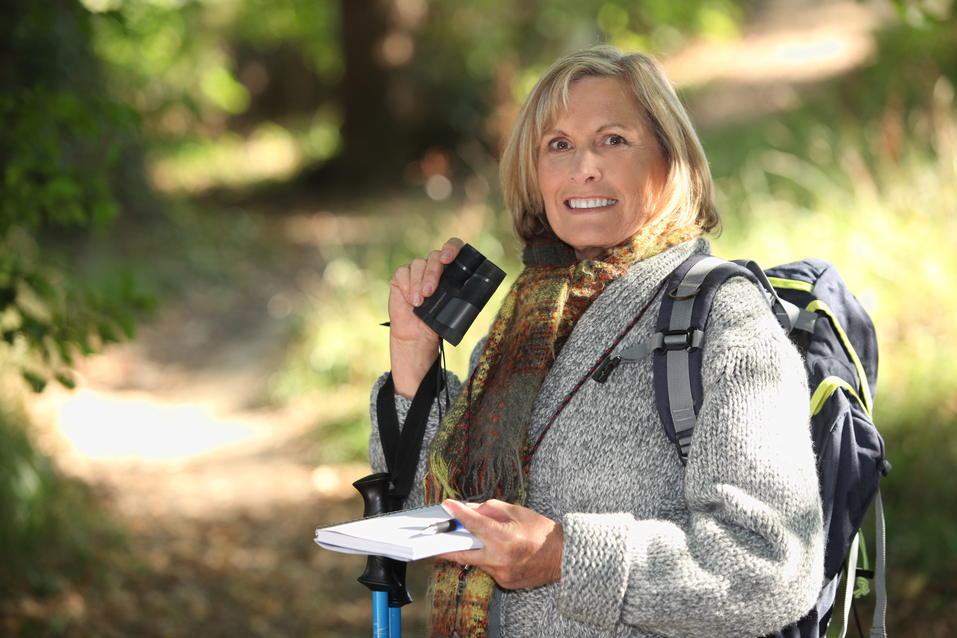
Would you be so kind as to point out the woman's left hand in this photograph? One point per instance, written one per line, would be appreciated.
(522, 548)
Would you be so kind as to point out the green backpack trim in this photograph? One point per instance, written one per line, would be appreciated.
(865, 397)
(826, 388)
(818, 305)
(791, 284)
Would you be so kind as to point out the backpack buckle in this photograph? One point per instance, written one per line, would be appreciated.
(668, 340)
(607, 366)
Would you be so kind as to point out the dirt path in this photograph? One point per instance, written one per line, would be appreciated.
(218, 497)
(217, 494)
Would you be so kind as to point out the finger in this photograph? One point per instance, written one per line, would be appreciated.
(400, 279)
(433, 272)
(470, 518)
(499, 511)
(416, 273)
(457, 509)
(450, 250)
(435, 264)
(437, 261)
(399, 291)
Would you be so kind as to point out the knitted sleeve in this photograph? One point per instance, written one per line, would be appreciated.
(746, 558)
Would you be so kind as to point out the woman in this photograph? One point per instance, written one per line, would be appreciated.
(591, 524)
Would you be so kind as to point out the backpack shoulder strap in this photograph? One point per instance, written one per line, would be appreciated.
(797, 322)
(678, 338)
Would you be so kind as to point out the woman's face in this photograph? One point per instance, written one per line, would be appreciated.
(599, 167)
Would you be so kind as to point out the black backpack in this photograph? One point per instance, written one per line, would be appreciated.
(839, 344)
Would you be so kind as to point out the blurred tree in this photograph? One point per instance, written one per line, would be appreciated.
(371, 134)
(396, 78)
(59, 141)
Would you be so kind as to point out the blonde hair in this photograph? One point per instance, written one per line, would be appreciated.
(688, 196)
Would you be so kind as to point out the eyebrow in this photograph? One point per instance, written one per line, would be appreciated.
(615, 125)
(602, 128)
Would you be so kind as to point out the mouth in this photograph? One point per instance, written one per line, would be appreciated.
(587, 204)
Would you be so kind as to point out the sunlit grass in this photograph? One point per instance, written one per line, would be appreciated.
(270, 153)
(890, 230)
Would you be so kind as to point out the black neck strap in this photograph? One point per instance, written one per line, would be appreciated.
(402, 448)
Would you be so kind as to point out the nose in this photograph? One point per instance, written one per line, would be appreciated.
(586, 167)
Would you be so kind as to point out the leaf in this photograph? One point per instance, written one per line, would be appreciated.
(65, 350)
(8, 296)
(107, 332)
(13, 174)
(66, 380)
(85, 347)
(104, 212)
(37, 384)
(62, 188)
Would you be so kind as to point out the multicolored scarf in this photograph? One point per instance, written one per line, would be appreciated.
(481, 450)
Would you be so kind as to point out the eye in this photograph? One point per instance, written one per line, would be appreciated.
(559, 144)
(615, 140)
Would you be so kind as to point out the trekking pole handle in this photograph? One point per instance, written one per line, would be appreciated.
(378, 575)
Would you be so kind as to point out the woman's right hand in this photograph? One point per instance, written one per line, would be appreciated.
(413, 346)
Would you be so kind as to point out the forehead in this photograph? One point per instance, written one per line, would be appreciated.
(593, 102)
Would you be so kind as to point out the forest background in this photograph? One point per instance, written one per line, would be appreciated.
(194, 182)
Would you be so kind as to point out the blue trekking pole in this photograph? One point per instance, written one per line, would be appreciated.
(383, 576)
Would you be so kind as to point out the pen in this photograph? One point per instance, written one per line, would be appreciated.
(440, 528)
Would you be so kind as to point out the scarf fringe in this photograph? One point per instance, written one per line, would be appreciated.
(462, 594)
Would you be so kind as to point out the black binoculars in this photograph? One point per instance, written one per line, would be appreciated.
(465, 286)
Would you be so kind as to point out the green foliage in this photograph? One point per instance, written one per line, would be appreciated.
(60, 142)
(51, 315)
(55, 142)
(197, 69)
(179, 63)
(486, 33)
(312, 27)
(49, 526)
(477, 60)
(47, 175)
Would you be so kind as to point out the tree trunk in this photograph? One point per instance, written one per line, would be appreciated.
(373, 140)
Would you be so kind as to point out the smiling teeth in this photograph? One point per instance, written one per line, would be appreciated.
(590, 203)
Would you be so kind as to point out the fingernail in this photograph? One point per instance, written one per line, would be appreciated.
(446, 254)
(417, 300)
(426, 289)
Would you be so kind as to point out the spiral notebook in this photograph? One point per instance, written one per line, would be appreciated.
(398, 535)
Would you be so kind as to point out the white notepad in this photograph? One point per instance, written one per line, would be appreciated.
(397, 535)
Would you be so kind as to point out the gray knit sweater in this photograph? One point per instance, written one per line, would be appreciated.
(731, 544)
